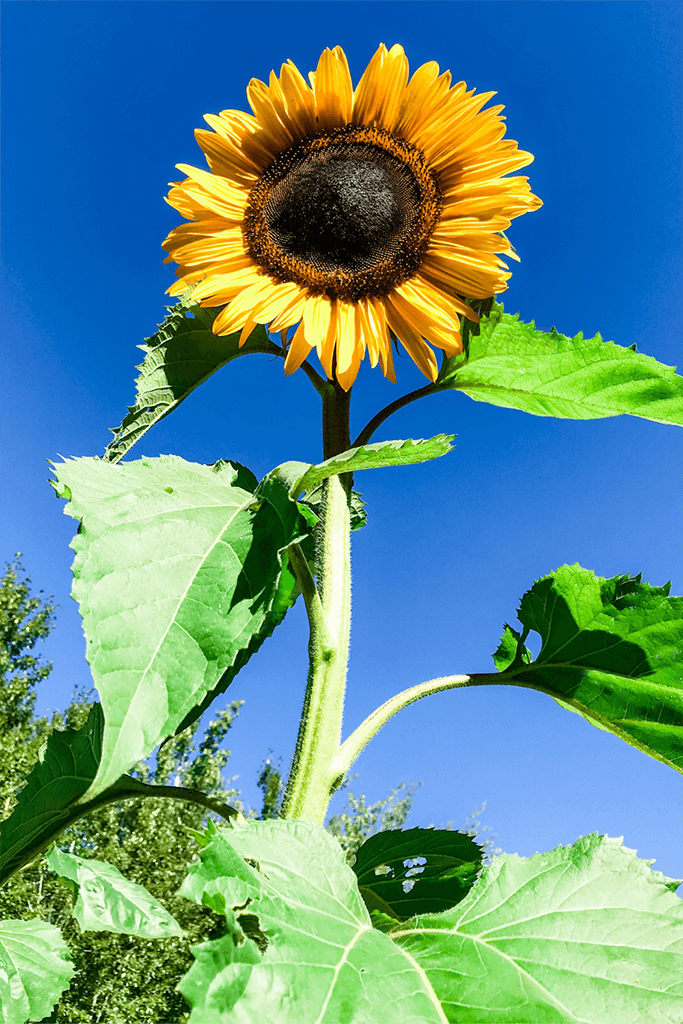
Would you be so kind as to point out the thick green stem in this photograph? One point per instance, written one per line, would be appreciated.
(329, 613)
(336, 425)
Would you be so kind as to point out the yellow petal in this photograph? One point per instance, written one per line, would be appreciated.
(327, 344)
(378, 323)
(346, 336)
(333, 90)
(264, 105)
(370, 333)
(230, 283)
(222, 247)
(418, 350)
(424, 96)
(275, 300)
(293, 311)
(240, 309)
(298, 350)
(249, 326)
(418, 308)
(317, 320)
(378, 95)
(299, 101)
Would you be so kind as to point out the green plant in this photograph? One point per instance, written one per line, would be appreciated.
(183, 570)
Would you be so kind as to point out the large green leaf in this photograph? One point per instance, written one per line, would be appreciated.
(612, 650)
(178, 358)
(35, 968)
(586, 934)
(180, 574)
(417, 871)
(109, 902)
(313, 954)
(512, 364)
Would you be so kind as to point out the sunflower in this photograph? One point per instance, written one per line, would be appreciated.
(361, 216)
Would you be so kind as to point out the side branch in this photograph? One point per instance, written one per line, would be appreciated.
(358, 740)
(388, 410)
(125, 788)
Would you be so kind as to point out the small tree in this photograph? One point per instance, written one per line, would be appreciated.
(24, 619)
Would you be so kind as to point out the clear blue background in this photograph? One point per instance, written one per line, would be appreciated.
(100, 103)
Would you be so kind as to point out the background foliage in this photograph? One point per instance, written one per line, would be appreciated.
(119, 978)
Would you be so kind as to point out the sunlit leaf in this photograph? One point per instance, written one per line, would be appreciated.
(377, 456)
(612, 649)
(301, 476)
(35, 968)
(107, 901)
(180, 574)
(512, 364)
(585, 934)
(416, 871)
(182, 354)
(314, 955)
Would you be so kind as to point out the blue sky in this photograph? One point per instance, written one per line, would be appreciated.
(100, 102)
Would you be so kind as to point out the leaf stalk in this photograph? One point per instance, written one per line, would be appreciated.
(352, 747)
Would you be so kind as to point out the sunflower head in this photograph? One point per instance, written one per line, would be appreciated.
(356, 217)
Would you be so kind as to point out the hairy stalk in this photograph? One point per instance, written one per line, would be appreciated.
(329, 614)
(353, 746)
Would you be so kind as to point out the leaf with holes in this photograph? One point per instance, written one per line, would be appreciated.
(313, 954)
(512, 364)
(418, 871)
(180, 574)
(585, 934)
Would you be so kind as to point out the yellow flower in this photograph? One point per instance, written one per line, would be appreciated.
(357, 214)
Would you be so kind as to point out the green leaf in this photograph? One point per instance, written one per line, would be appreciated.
(35, 969)
(512, 364)
(359, 516)
(108, 902)
(318, 957)
(613, 650)
(180, 575)
(178, 358)
(586, 933)
(65, 769)
(301, 476)
(376, 456)
(509, 649)
(418, 871)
